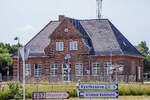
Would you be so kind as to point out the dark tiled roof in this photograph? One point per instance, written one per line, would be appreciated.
(41, 40)
(101, 36)
(126, 47)
(106, 38)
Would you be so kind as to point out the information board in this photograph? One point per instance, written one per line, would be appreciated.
(98, 94)
(97, 86)
(50, 95)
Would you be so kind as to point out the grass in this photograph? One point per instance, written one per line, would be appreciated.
(137, 90)
(120, 98)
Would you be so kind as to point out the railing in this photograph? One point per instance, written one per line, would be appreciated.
(74, 78)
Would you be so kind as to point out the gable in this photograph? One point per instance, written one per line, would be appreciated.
(71, 33)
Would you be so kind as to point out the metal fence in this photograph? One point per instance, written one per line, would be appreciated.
(74, 78)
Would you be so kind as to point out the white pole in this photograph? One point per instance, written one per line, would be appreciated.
(24, 85)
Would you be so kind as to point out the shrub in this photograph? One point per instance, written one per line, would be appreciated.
(14, 90)
(4, 95)
(73, 93)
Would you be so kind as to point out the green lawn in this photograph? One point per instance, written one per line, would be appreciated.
(130, 91)
(120, 98)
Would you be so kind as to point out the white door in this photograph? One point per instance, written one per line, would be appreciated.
(65, 72)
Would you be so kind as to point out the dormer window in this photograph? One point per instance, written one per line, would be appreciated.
(59, 46)
(74, 45)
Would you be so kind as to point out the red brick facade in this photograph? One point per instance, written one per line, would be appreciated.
(77, 56)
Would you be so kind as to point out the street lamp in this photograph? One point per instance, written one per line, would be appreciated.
(18, 66)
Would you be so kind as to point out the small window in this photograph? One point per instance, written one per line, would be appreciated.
(96, 69)
(53, 69)
(59, 46)
(79, 69)
(28, 70)
(107, 66)
(37, 70)
(74, 45)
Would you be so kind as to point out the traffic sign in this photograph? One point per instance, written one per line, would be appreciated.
(98, 94)
(116, 68)
(97, 86)
(50, 95)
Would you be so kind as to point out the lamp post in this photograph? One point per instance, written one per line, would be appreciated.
(25, 54)
(18, 65)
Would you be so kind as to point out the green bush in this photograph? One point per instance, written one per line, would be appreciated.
(73, 93)
(14, 90)
(4, 95)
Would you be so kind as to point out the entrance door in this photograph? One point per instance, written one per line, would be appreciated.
(66, 72)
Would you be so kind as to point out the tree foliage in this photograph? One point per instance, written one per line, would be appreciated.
(143, 49)
(6, 51)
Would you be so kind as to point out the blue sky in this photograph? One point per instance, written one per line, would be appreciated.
(25, 18)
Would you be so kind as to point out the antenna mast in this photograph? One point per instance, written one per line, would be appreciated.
(99, 9)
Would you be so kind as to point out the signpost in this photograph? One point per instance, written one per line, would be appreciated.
(50, 95)
(97, 90)
(98, 94)
(98, 86)
(24, 54)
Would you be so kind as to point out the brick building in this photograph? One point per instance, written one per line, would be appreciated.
(70, 49)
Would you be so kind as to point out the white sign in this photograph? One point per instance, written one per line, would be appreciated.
(98, 94)
(68, 56)
(97, 86)
(50, 95)
(116, 68)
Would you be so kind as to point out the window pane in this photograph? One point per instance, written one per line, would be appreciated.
(79, 69)
(53, 69)
(27, 70)
(107, 66)
(74, 45)
(59, 46)
(37, 70)
(96, 69)
(71, 46)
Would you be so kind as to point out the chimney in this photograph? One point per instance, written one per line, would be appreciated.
(61, 17)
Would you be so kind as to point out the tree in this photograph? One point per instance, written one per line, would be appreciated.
(6, 51)
(143, 49)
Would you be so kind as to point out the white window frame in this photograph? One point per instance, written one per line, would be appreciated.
(28, 70)
(74, 45)
(139, 73)
(107, 65)
(38, 71)
(59, 46)
(54, 69)
(79, 69)
(96, 68)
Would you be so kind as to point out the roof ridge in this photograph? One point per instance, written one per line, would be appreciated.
(115, 37)
(86, 19)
